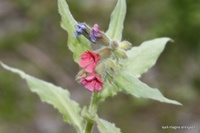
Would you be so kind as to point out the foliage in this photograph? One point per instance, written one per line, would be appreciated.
(139, 60)
(56, 96)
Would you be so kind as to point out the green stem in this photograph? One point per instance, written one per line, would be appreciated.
(89, 127)
(92, 111)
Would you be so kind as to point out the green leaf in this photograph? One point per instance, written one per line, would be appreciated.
(141, 58)
(106, 127)
(76, 45)
(130, 84)
(117, 21)
(55, 96)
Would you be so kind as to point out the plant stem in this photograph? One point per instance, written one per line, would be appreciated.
(89, 127)
(92, 111)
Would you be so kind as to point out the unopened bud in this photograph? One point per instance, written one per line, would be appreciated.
(121, 53)
(110, 67)
(100, 69)
(125, 45)
(114, 44)
(106, 68)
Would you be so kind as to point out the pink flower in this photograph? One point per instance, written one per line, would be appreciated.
(89, 61)
(93, 82)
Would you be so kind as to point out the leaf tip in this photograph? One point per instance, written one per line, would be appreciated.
(168, 39)
(178, 103)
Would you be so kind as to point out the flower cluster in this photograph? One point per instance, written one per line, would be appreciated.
(94, 34)
(89, 78)
(89, 75)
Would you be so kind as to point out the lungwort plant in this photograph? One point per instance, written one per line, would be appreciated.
(114, 67)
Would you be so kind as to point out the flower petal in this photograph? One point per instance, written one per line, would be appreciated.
(89, 61)
(92, 82)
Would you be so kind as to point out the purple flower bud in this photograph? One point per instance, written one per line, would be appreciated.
(80, 29)
(95, 33)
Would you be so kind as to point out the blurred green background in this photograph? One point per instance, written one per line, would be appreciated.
(32, 40)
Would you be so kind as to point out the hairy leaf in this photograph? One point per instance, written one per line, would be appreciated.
(55, 96)
(117, 21)
(106, 127)
(130, 84)
(76, 45)
(141, 58)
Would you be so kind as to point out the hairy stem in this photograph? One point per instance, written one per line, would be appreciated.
(92, 110)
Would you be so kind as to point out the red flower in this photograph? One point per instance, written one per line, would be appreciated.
(92, 82)
(89, 61)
